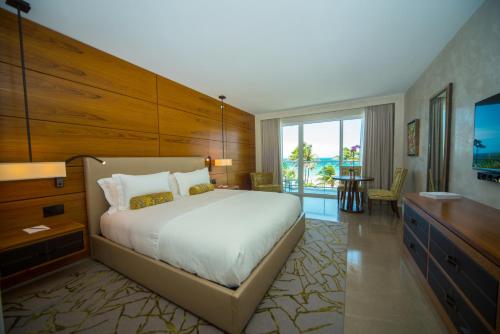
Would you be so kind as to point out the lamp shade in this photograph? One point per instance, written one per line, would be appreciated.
(31, 170)
(223, 162)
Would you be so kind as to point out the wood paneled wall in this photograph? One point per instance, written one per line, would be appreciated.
(85, 101)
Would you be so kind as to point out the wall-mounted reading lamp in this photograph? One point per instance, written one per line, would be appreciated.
(27, 170)
(60, 180)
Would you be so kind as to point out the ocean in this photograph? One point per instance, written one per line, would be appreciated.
(312, 183)
(319, 163)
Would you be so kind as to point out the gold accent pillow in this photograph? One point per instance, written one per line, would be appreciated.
(201, 188)
(139, 202)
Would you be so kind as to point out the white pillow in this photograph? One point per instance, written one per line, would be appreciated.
(187, 180)
(136, 185)
(111, 193)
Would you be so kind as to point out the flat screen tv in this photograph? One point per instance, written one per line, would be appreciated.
(487, 135)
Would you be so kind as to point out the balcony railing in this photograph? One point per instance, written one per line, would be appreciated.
(313, 177)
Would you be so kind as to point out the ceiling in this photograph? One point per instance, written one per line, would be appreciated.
(268, 55)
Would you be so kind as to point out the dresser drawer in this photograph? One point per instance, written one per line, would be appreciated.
(418, 253)
(22, 258)
(65, 245)
(459, 312)
(417, 224)
(476, 283)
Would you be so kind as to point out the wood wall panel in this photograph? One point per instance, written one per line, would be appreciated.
(13, 142)
(175, 95)
(239, 118)
(180, 123)
(174, 146)
(11, 92)
(9, 38)
(242, 166)
(26, 213)
(56, 54)
(19, 190)
(241, 151)
(237, 134)
(58, 141)
(59, 100)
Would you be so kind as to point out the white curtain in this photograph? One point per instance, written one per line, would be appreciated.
(271, 152)
(378, 148)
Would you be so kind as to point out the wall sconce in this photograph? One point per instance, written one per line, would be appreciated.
(60, 180)
(208, 163)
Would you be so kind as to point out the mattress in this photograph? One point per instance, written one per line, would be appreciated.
(220, 235)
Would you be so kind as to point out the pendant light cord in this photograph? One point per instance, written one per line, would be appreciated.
(222, 107)
(223, 139)
(25, 89)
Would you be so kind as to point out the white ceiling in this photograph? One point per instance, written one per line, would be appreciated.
(267, 55)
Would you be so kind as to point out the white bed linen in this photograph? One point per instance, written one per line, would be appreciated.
(219, 235)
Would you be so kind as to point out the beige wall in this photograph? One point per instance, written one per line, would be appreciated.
(340, 107)
(471, 61)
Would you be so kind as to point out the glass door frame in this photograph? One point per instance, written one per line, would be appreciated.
(300, 167)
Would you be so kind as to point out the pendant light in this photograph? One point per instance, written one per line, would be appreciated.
(28, 170)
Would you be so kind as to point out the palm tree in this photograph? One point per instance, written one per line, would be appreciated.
(326, 175)
(308, 157)
(350, 155)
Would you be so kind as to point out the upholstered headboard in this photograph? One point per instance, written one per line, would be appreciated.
(96, 203)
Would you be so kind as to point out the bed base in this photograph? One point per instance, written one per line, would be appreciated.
(225, 308)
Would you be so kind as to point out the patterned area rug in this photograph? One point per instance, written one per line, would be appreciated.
(307, 296)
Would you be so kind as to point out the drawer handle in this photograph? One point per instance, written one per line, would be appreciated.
(451, 302)
(413, 221)
(412, 245)
(453, 261)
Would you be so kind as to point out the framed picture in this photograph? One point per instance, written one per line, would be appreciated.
(413, 134)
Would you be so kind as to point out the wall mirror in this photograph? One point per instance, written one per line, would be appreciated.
(439, 140)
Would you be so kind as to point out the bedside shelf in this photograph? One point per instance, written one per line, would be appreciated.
(18, 238)
(23, 255)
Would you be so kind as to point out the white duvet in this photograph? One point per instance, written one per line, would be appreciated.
(219, 235)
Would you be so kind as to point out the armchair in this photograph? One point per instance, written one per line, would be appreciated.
(264, 182)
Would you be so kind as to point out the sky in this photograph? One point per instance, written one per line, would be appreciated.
(487, 123)
(324, 137)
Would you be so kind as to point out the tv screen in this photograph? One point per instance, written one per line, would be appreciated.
(487, 134)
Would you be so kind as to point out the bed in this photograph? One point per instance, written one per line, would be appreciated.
(225, 293)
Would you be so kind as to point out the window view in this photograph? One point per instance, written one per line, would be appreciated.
(316, 152)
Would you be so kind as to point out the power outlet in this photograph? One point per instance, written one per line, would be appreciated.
(53, 210)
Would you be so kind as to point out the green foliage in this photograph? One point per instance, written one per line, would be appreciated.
(309, 159)
(326, 175)
(350, 155)
(289, 173)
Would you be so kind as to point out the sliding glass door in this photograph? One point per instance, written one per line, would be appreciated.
(313, 153)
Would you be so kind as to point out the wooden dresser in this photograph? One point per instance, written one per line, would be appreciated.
(454, 248)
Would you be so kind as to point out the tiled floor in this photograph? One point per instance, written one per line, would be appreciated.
(382, 296)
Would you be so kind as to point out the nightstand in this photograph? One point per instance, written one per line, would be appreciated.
(228, 187)
(23, 255)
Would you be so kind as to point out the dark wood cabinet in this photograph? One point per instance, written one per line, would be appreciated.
(455, 245)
